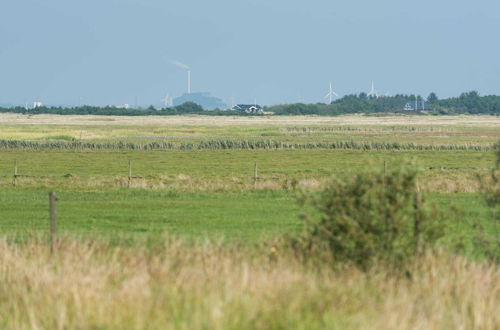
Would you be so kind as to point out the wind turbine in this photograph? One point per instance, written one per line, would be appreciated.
(372, 92)
(331, 94)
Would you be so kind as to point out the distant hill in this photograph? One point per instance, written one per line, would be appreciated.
(205, 100)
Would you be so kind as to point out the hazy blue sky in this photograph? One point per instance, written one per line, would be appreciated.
(111, 51)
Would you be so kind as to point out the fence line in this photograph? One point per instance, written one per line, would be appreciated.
(255, 178)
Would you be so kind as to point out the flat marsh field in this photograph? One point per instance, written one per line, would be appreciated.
(216, 192)
(183, 239)
(456, 130)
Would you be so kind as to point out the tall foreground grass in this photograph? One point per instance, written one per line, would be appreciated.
(89, 285)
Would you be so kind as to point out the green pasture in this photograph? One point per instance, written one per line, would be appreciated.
(210, 193)
(226, 165)
(248, 217)
(139, 213)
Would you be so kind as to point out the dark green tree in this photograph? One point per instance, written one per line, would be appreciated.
(432, 98)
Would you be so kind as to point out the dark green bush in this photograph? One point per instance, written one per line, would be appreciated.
(490, 188)
(373, 216)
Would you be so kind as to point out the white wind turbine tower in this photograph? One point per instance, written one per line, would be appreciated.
(331, 94)
(372, 92)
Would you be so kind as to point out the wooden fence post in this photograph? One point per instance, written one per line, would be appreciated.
(418, 216)
(255, 175)
(386, 221)
(129, 173)
(14, 179)
(53, 220)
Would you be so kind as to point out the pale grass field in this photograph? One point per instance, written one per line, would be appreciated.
(90, 285)
(90, 120)
(418, 129)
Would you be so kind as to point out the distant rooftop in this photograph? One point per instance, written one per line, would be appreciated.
(249, 108)
(417, 106)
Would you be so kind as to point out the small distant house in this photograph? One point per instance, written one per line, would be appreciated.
(409, 107)
(417, 107)
(248, 108)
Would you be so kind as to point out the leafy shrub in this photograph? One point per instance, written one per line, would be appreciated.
(490, 188)
(373, 216)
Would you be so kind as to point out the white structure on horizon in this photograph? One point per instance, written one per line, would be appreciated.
(331, 94)
(37, 104)
(168, 101)
(372, 92)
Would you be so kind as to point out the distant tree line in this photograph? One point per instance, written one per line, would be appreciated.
(466, 103)
(186, 108)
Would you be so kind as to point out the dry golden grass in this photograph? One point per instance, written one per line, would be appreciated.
(91, 285)
(197, 120)
(443, 181)
(435, 130)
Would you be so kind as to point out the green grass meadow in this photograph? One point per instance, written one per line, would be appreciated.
(139, 213)
(143, 215)
(211, 193)
(225, 164)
